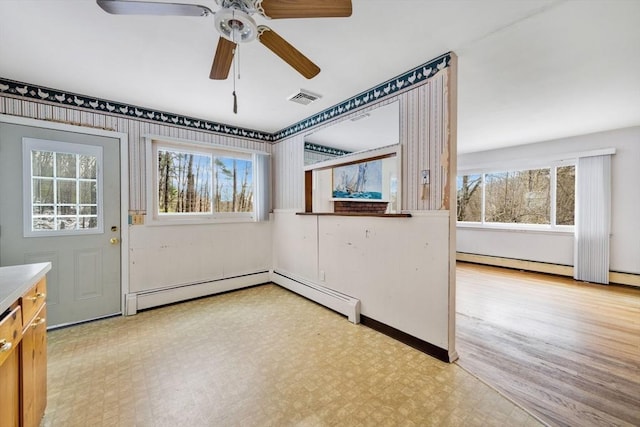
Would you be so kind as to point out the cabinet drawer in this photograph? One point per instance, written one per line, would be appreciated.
(10, 333)
(33, 300)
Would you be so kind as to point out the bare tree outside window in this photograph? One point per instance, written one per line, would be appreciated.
(517, 197)
(565, 195)
(184, 182)
(520, 197)
(234, 185)
(469, 198)
(201, 183)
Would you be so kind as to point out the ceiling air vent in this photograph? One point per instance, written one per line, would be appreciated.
(303, 97)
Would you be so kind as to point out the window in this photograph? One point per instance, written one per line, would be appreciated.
(565, 195)
(193, 182)
(469, 198)
(520, 197)
(62, 188)
(542, 196)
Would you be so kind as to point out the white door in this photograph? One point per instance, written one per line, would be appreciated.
(60, 202)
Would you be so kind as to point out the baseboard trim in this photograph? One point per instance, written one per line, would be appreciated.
(628, 279)
(540, 267)
(410, 340)
(156, 298)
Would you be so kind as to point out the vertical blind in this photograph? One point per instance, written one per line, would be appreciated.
(263, 186)
(593, 219)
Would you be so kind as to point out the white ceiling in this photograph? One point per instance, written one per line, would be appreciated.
(528, 70)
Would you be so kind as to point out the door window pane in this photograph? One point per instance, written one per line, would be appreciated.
(44, 223)
(88, 222)
(43, 210)
(64, 189)
(87, 167)
(42, 163)
(42, 191)
(65, 165)
(67, 223)
(67, 210)
(88, 210)
(88, 192)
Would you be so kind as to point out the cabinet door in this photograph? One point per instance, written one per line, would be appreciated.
(10, 335)
(9, 390)
(34, 370)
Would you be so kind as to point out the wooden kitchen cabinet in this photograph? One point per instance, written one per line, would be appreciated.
(34, 355)
(10, 336)
(23, 345)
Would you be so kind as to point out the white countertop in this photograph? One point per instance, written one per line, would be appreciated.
(15, 280)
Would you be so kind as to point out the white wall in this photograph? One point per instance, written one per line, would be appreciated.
(295, 244)
(171, 255)
(558, 248)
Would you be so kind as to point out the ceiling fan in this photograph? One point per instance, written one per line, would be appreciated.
(234, 22)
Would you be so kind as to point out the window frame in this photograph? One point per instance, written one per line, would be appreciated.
(153, 143)
(551, 227)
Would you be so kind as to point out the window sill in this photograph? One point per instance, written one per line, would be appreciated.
(197, 221)
(539, 229)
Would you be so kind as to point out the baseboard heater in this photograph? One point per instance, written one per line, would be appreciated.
(183, 292)
(334, 300)
(620, 278)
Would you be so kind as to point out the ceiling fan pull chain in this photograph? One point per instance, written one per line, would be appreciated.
(235, 60)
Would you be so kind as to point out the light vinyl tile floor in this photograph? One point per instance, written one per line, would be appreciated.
(262, 356)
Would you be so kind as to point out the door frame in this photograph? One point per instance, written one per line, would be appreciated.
(124, 184)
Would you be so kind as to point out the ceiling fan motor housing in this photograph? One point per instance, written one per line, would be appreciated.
(236, 25)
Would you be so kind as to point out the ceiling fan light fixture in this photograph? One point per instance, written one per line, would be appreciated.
(236, 25)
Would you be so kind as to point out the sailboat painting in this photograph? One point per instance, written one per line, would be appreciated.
(358, 181)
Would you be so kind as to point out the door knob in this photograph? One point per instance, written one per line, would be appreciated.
(114, 240)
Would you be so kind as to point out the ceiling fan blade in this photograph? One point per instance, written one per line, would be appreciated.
(277, 9)
(121, 7)
(287, 52)
(223, 59)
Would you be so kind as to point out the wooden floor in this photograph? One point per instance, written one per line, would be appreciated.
(567, 351)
